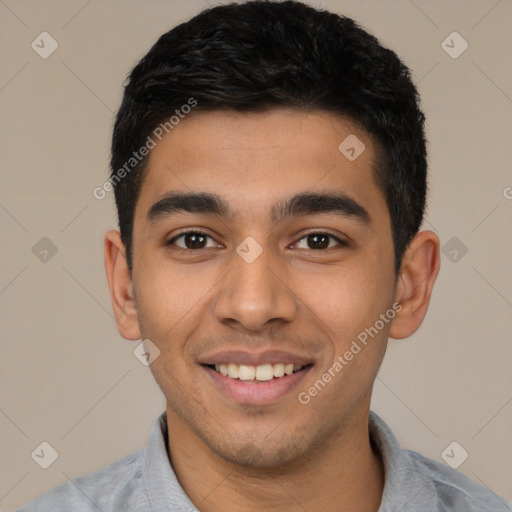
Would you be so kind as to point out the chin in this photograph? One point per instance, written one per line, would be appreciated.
(262, 454)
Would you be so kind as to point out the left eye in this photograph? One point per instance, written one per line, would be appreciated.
(192, 240)
(319, 241)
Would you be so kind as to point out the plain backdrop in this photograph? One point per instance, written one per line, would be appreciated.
(69, 379)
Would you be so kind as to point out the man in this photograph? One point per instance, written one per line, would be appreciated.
(269, 168)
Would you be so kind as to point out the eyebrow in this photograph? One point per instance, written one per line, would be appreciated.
(301, 204)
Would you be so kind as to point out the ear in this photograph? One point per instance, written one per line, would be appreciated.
(419, 270)
(121, 287)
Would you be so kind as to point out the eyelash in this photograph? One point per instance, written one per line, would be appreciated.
(340, 242)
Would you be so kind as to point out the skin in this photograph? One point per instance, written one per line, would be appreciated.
(284, 455)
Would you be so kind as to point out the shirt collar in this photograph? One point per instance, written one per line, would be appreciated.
(165, 492)
(163, 489)
(403, 483)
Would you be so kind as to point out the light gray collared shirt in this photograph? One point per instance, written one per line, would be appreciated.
(145, 482)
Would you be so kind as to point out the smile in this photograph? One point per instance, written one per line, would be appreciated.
(261, 373)
(256, 385)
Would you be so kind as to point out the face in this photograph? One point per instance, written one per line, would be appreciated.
(258, 244)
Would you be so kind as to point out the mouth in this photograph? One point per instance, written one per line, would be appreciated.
(257, 374)
(256, 385)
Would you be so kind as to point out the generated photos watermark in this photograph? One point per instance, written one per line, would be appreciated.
(304, 397)
(137, 156)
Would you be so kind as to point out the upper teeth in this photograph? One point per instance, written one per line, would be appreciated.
(262, 372)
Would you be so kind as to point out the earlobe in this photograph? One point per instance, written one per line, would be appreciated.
(121, 287)
(419, 270)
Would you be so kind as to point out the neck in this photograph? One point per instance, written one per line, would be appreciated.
(343, 474)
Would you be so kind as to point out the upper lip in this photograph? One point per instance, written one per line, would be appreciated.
(254, 358)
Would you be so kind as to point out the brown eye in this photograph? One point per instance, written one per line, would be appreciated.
(319, 241)
(191, 240)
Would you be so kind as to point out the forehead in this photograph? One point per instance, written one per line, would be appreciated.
(253, 159)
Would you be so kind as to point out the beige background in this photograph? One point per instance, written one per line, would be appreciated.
(66, 375)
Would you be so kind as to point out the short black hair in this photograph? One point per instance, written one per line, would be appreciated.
(260, 55)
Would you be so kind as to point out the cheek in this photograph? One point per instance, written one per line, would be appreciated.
(169, 298)
(171, 303)
(349, 300)
(348, 305)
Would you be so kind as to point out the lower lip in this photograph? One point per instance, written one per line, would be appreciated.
(256, 393)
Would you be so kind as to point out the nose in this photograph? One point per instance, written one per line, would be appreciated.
(255, 294)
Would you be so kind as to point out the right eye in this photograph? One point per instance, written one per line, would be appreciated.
(191, 240)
